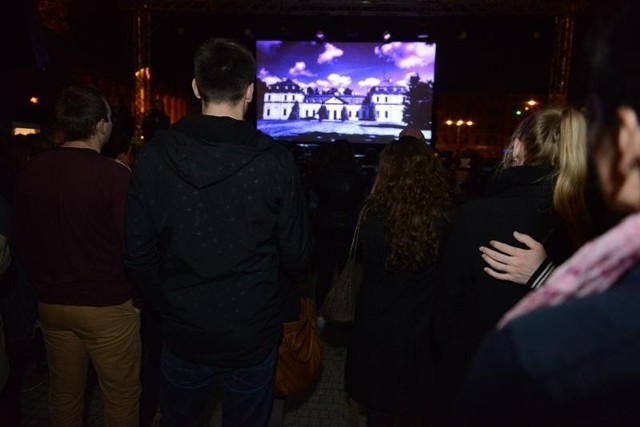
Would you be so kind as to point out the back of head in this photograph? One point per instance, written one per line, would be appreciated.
(615, 65)
(223, 69)
(412, 188)
(412, 131)
(540, 135)
(78, 109)
(557, 138)
(399, 156)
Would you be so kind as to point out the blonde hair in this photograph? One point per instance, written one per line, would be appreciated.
(556, 138)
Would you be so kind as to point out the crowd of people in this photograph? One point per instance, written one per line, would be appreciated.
(172, 271)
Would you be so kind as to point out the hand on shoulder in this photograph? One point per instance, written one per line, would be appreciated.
(510, 263)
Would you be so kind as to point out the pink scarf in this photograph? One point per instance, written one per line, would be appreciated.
(593, 269)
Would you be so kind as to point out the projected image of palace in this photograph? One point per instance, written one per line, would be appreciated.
(310, 91)
(288, 101)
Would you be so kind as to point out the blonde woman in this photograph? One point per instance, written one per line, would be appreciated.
(538, 189)
(567, 354)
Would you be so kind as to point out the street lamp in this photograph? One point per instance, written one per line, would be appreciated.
(459, 125)
(530, 104)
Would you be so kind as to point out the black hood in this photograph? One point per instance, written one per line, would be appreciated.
(205, 150)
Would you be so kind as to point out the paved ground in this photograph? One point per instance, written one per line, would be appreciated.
(324, 404)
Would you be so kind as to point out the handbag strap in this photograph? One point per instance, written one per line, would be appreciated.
(356, 233)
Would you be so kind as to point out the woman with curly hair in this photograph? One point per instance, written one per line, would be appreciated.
(390, 367)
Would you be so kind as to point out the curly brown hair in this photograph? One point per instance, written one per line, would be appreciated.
(412, 190)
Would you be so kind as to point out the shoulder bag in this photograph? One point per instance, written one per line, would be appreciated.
(299, 353)
(340, 304)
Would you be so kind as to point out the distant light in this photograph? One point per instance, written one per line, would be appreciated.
(532, 102)
(143, 73)
(34, 100)
(518, 113)
(20, 128)
(386, 36)
(320, 35)
(24, 131)
(459, 122)
(423, 36)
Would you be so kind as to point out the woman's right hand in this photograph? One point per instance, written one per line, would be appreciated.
(506, 262)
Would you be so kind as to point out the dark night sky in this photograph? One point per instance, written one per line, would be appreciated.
(509, 52)
(503, 53)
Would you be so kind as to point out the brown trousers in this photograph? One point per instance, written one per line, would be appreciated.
(110, 338)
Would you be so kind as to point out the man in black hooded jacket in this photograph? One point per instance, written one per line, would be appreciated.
(215, 212)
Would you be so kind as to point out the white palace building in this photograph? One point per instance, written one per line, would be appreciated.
(286, 100)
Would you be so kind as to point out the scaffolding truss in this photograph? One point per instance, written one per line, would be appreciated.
(563, 12)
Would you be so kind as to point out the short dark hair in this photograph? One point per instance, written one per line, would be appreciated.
(615, 63)
(223, 69)
(78, 109)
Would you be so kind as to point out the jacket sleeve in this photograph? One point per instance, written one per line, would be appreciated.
(293, 231)
(540, 276)
(141, 252)
(495, 387)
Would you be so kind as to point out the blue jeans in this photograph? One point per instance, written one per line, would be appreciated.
(247, 393)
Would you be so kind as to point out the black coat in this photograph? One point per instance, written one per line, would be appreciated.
(471, 301)
(340, 188)
(390, 365)
(575, 364)
(215, 213)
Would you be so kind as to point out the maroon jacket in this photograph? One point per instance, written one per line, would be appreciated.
(67, 227)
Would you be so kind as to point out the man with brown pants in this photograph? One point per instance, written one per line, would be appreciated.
(67, 233)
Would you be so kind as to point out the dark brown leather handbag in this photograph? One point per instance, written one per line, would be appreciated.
(299, 353)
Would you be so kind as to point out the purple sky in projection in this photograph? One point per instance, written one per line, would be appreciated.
(339, 65)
